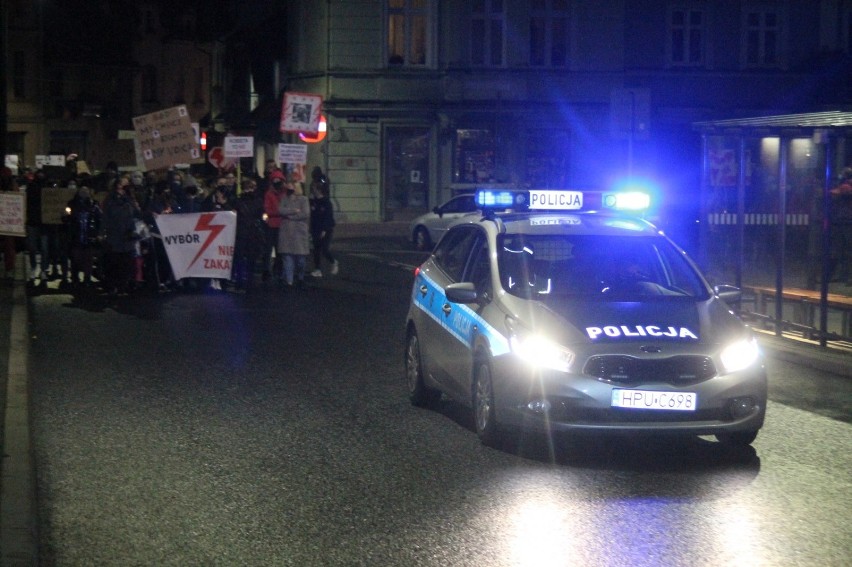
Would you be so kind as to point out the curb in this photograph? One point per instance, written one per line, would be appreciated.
(805, 354)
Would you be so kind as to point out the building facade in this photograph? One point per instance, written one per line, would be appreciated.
(427, 98)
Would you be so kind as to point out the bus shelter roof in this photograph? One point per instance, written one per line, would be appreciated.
(797, 125)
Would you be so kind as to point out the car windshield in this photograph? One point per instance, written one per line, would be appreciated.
(595, 267)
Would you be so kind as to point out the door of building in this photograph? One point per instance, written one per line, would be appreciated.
(406, 168)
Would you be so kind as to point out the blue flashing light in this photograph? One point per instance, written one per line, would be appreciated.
(500, 199)
(626, 201)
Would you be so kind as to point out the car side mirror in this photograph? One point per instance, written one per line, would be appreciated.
(728, 293)
(463, 292)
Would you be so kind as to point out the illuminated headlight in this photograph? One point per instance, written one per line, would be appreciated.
(740, 355)
(541, 352)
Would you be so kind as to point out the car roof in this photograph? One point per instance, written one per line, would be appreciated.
(545, 223)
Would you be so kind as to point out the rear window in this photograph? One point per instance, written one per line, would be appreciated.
(552, 267)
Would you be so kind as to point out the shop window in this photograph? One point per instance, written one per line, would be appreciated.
(474, 156)
(547, 158)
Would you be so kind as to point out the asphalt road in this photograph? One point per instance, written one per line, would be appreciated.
(274, 429)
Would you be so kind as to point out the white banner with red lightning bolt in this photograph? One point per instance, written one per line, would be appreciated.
(199, 245)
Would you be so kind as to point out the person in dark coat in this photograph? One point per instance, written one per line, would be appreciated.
(84, 226)
(251, 234)
(322, 222)
(119, 237)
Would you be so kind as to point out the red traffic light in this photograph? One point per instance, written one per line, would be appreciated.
(203, 141)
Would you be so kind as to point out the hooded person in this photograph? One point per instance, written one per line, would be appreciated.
(271, 200)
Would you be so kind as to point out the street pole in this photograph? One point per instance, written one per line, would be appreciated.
(4, 107)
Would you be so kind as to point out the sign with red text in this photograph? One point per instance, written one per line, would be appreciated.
(300, 112)
(12, 213)
(199, 245)
(165, 138)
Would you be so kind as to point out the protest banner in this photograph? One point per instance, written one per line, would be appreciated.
(166, 138)
(13, 213)
(300, 112)
(199, 245)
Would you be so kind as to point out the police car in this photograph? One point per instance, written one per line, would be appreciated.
(554, 311)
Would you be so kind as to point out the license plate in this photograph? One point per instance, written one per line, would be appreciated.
(654, 400)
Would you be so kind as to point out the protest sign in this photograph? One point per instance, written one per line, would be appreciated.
(12, 213)
(199, 245)
(300, 112)
(293, 153)
(239, 146)
(166, 138)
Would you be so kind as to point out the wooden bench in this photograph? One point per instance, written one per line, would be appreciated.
(807, 304)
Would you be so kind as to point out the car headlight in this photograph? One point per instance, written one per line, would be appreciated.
(740, 355)
(540, 351)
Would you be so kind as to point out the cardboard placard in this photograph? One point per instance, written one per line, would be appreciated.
(166, 138)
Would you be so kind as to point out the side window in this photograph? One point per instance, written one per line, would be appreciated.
(464, 204)
(480, 267)
(453, 251)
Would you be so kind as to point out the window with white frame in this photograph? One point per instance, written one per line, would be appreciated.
(487, 33)
(686, 36)
(761, 37)
(549, 33)
(408, 32)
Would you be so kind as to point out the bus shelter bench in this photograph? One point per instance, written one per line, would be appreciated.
(806, 302)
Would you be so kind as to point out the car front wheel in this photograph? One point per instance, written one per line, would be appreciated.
(418, 392)
(483, 405)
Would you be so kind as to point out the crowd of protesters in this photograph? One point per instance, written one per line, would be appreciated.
(107, 236)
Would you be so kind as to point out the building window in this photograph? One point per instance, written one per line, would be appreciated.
(686, 37)
(474, 156)
(19, 75)
(762, 35)
(199, 86)
(408, 32)
(549, 33)
(149, 84)
(847, 31)
(486, 33)
(547, 163)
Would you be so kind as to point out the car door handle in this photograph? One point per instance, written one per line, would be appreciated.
(447, 308)
(423, 290)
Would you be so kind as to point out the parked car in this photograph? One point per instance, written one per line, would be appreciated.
(427, 229)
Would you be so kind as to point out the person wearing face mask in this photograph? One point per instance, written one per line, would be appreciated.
(293, 238)
(83, 224)
(118, 230)
(271, 200)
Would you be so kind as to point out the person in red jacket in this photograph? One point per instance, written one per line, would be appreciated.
(271, 200)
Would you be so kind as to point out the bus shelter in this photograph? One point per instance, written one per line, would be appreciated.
(776, 218)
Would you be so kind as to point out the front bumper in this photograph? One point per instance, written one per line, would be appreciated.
(553, 401)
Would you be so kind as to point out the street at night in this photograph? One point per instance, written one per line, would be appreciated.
(274, 428)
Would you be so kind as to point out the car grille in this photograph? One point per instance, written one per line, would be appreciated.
(676, 370)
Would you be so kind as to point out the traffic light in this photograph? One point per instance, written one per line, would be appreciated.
(203, 141)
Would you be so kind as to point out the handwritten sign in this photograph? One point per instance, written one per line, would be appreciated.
(12, 214)
(239, 146)
(166, 138)
(293, 153)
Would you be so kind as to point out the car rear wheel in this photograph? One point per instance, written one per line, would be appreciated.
(421, 239)
(737, 438)
(418, 392)
(483, 405)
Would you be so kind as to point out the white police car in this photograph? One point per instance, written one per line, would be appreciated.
(552, 311)
(428, 228)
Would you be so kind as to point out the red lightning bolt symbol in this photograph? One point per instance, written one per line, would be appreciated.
(204, 224)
